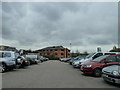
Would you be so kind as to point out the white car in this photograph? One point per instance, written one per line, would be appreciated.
(8, 60)
(64, 59)
(76, 63)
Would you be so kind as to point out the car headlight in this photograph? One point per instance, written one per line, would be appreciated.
(87, 66)
(116, 73)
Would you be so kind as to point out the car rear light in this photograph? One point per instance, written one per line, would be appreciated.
(21, 60)
(26, 61)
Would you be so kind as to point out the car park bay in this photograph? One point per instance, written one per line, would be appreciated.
(51, 74)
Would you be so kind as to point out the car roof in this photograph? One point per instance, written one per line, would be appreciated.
(112, 55)
(7, 51)
(106, 52)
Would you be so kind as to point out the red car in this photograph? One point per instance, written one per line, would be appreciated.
(95, 66)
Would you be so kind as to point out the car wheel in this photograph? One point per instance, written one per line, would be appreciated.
(36, 62)
(97, 72)
(22, 66)
(3, 68)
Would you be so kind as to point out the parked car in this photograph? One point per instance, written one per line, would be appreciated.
(76, 62)
(65, 59)
(34, 57)
(30, 60)
(8, 60)
(73, 59)
(41, 58)
(95, 66)
(112, 74)
(23, 61)
(92, 56)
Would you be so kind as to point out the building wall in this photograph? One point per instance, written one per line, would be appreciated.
(57, 52)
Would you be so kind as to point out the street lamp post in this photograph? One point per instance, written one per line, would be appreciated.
(70, 50)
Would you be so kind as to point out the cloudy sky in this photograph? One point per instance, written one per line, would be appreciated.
(35, 25)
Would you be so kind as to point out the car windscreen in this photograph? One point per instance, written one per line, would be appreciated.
(5, 54)
(90, 55)
(98, 59)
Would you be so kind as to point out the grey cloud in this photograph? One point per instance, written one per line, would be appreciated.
(35, 24)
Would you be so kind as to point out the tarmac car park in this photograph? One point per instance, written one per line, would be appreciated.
(98, 66)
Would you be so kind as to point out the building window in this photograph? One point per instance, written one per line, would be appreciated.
(56, 54)
(56, 49)
(62, 53)
(48, 54)
(62, 49)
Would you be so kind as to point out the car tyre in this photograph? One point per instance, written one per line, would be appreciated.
(3, 68)
(97, 72)
(36, 62)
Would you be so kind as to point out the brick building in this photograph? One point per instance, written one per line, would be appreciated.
(56, 51)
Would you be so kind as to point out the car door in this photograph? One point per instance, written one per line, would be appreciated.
(112, 60)
(8, 57)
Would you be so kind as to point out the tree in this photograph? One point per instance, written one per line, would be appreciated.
(115, 49)
(85, 53)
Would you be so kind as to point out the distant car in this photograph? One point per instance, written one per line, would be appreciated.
(65, 59)
(34, 57)
(95, 66)
(76, 62)
(30, 60)
(111, 74)
(41, 58)
(73, 59)
(23, 61)
(8, 60)
(61, 59)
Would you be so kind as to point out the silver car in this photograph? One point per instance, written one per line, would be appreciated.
(8, 60)
(111, 74)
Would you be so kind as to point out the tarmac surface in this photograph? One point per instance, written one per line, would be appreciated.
(51, 74)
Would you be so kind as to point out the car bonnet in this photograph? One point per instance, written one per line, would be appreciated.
(111, 68)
